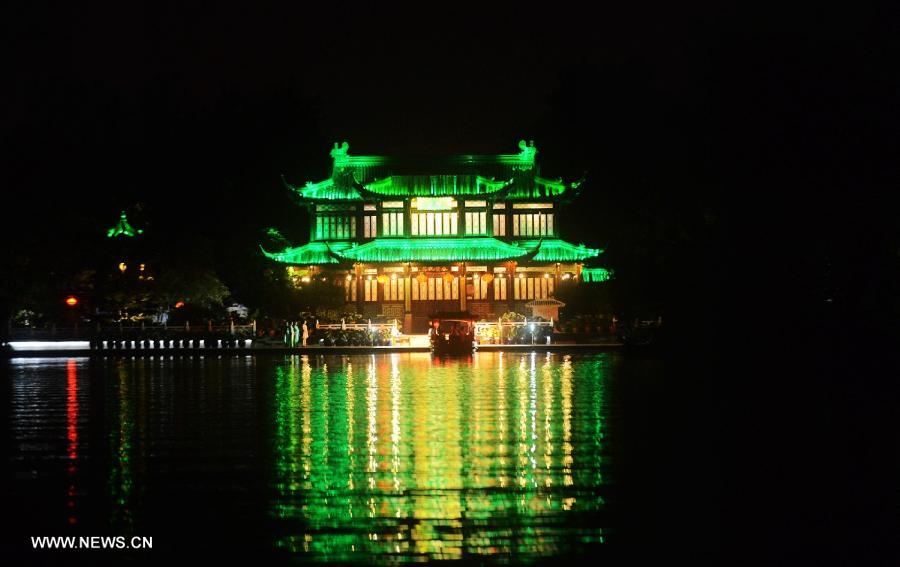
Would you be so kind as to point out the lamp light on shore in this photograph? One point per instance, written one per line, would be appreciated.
(71, 301)
(122, 267)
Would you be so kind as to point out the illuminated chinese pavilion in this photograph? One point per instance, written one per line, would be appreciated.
(410, 237)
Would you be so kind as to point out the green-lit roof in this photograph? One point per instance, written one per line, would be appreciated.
(464, 249)
(556, 250)
(435, 250)
(123, 228)
(312, 253)
(435, 186)
(506, 176)
(325, 191)
(596, 274)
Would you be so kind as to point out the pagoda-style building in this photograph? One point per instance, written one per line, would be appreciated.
(410, 237)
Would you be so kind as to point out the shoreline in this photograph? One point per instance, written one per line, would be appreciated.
(62, 353)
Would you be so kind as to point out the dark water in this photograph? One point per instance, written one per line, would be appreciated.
(402, 457)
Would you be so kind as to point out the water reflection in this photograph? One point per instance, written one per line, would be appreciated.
(391, 457)
(121, 443)
(404, 457)
(72, 438)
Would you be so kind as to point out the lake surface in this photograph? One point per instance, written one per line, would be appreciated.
(501, 457)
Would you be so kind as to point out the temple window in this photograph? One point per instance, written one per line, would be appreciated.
(480, 287)
(533, 224)
(435, 289)
(500, 288)
(370, 229)
(370, 290)
(499, 225)
(532, 287)
(335, 227)
(476, 222)
(392, 224)
(433, 224)
(349, 290)
(393, 290)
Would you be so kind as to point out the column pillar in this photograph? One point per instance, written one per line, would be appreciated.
(407, 300)
(357, 268)
(511, 286)
(462, 286)
(556, 279)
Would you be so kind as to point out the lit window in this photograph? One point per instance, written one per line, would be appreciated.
(371, 290)
(499, 289)
(532, 205)
(330, 227)
(349, 290)
(435, 289)
(392, 224)
(476, 222)
(499, 225)
(537, 224)
(433, 224)
(531, 288)
(480, 287)
(393, 290)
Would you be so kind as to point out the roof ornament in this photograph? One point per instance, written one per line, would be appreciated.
(339, 154)
(577, 183)
(527, 151)
(123, 228)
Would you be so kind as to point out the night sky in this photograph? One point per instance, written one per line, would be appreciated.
(739, 169)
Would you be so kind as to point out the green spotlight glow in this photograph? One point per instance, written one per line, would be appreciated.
(434, 250)
(434, 203)
(123, 228)
(507, 176)
(391, 460)
(309, 254)
(557, 250)
(596, 274)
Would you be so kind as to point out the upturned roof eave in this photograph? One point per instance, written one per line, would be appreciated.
(394, 250)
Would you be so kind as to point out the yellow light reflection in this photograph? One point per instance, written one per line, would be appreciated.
(456, 464)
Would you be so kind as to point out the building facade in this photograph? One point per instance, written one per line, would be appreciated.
(406, 238)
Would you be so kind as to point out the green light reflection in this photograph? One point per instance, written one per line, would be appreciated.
(406, 458)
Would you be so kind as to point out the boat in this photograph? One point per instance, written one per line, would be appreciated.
(452, 332)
